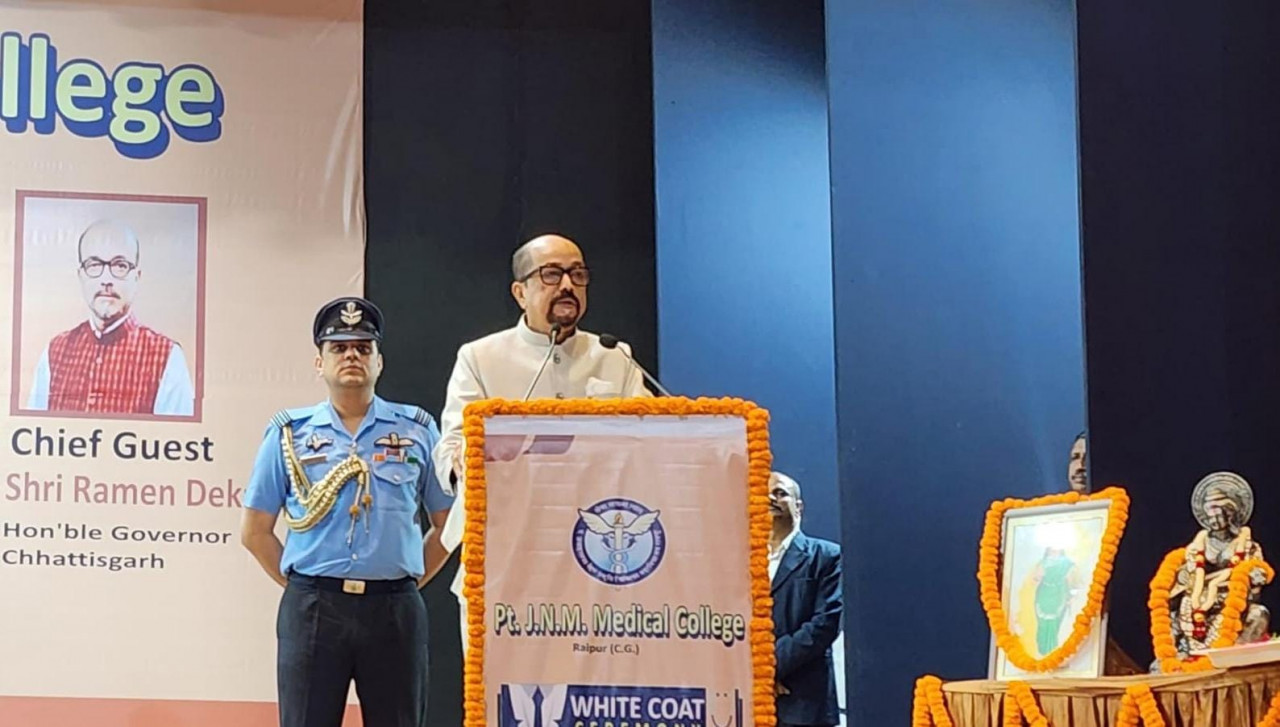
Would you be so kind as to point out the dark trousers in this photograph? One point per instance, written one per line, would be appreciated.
(327, 638)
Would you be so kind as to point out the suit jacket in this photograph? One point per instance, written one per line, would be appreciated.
(807, 606)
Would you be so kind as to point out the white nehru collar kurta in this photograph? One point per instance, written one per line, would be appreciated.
(501, 365)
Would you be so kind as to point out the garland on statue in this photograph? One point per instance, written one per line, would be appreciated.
(989, 580)
(1232, 610)
(760, 522)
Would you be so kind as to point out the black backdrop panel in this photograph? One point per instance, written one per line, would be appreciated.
(487, 122)
(1180, 177)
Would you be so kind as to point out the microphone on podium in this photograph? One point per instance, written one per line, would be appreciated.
(611, 342)
(551, 348)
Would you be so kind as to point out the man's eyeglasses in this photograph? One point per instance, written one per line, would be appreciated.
(553, 274)
(119, 267)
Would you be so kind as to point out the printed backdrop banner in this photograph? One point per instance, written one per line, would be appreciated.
(617, 572)
(180, 191)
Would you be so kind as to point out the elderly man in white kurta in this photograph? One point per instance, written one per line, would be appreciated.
(550, 284)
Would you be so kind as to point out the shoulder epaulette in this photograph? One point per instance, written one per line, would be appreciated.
(285, 417)
(421, 416)
(416, 413)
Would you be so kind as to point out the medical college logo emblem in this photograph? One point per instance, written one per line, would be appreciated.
(619, 541)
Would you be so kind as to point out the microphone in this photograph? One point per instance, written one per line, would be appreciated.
(611, 342)
(551, 348)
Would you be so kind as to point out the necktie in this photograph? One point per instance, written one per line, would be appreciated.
(537, 707)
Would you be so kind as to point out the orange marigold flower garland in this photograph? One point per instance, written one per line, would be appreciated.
(1272, 717)
(1139, 705)
(473, 698)
(1238, 600)
(759, 468)
(989, 576)
(1162, 619)
(928, 709)
(1020, 702)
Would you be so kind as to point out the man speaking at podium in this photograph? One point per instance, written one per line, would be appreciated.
(544, 356)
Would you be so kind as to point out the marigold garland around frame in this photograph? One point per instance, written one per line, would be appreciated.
(989, 551)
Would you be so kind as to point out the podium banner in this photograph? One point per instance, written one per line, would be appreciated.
(181, 189)
(616, 564)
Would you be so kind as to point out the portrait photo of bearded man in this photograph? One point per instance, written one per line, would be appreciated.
(111, 363)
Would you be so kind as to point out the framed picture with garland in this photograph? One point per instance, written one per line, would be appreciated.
(1044, 599)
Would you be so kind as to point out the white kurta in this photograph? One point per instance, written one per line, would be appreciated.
(501, 365)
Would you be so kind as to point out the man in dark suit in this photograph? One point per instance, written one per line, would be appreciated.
(807, 604)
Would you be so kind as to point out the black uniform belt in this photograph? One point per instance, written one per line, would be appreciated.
(356, 586)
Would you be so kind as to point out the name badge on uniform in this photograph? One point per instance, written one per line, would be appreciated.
(313, 458)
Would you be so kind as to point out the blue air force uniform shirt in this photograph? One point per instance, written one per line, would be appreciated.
(395, 440)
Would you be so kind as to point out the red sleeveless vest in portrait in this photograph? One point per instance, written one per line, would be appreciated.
(119, 372)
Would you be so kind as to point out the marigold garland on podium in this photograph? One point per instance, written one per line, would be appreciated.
(616, 556)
